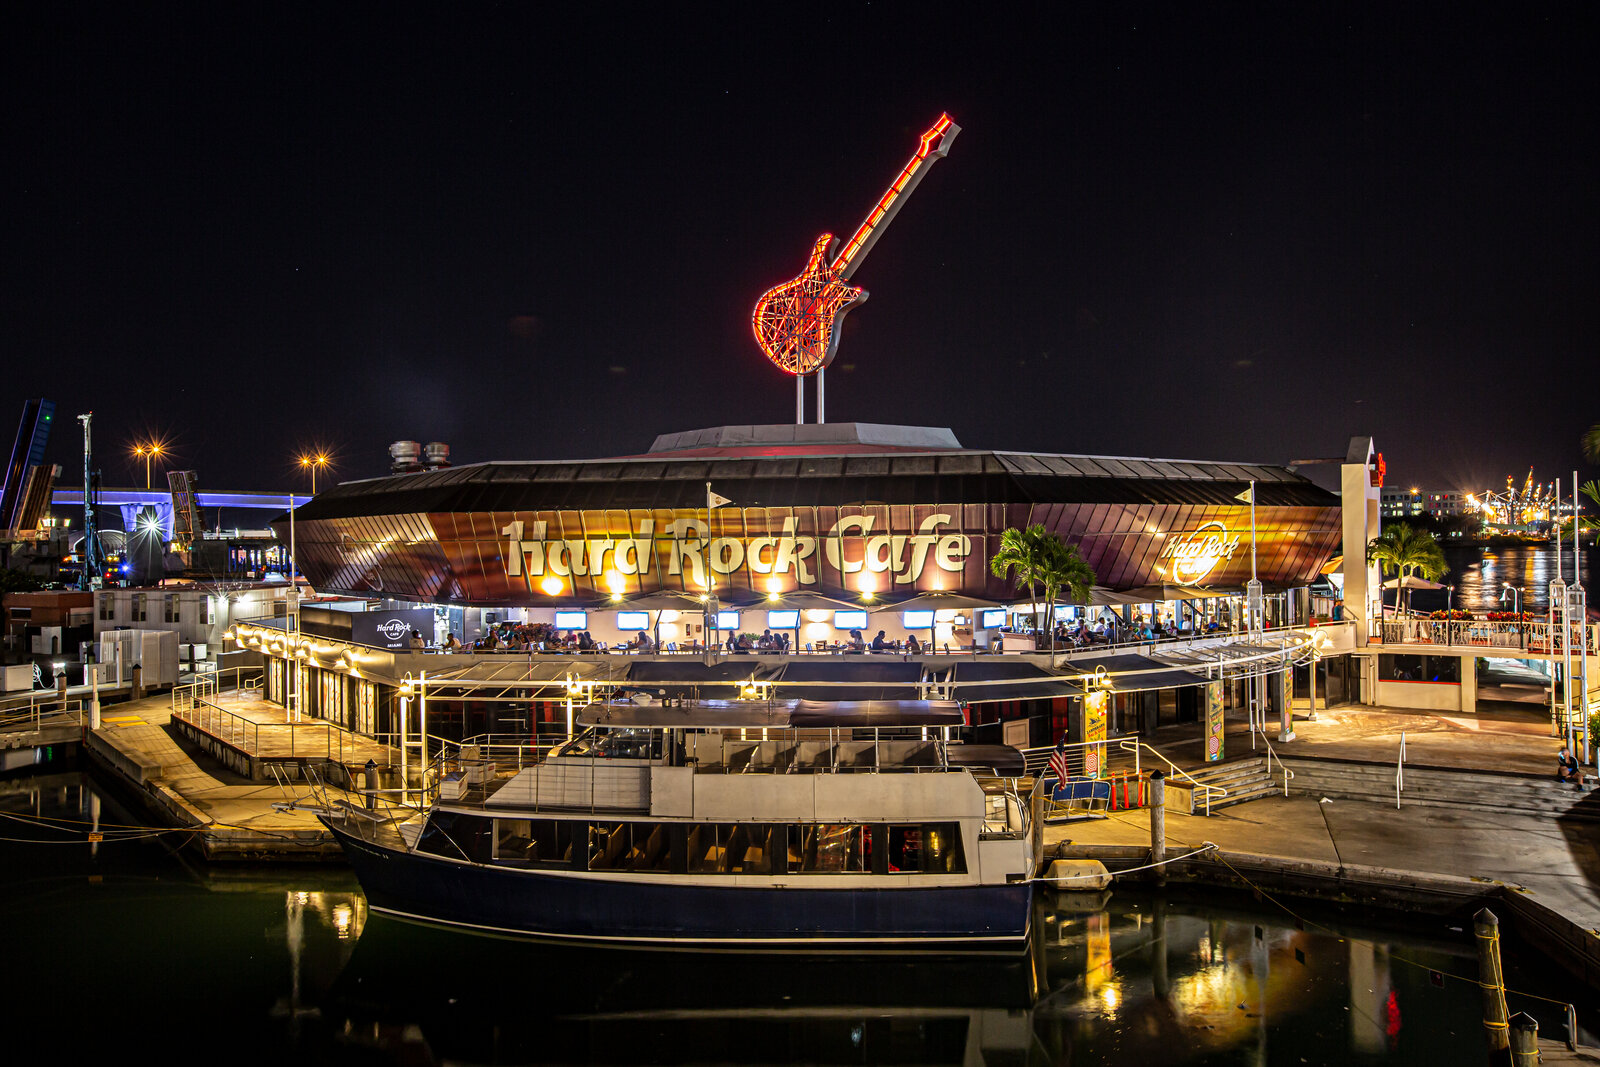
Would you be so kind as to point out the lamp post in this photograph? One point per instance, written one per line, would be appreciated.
(1516, 607)
(148, 451)
(312, 463)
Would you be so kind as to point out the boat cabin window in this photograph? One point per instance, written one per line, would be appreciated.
(457, 836)
(613, 744)
(536, 842)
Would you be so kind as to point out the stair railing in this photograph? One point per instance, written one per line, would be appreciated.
(1400, 770)
(1273, 755)
(1205, 789)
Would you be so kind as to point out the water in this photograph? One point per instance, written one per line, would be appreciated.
(1478, 576)
(123, 951)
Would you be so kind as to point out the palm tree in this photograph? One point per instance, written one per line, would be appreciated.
(1035, 558)
(1406, 551)
(1591, 443)
(1019, 557)
(1062, 568)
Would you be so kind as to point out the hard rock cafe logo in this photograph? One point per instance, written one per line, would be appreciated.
(1195, 555)
(393, 629)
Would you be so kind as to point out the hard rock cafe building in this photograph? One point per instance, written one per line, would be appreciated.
(812, 531)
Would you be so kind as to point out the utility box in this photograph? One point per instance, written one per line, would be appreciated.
(158, 657)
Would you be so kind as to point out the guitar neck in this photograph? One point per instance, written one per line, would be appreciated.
(932, 146)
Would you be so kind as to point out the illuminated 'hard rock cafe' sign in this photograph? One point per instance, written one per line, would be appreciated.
(685, 550)
(1196, 554)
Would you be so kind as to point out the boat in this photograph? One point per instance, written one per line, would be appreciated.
(753, 825)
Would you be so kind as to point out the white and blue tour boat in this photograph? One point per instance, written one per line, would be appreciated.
(757, 825)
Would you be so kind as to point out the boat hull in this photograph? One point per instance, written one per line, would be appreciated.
(991, 918)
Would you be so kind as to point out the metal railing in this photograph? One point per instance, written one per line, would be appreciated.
(1273, 755)
(1533, 635)
(1206, 790)
(40, 712)
(245, 734)
(1400, 771)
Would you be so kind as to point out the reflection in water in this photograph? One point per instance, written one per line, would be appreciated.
(244, 966)
(1479, 576)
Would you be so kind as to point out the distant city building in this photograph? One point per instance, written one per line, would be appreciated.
(1415, 503)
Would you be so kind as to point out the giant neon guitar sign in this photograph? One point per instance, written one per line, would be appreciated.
(797, 323)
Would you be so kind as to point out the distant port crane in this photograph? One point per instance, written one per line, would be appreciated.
(1516, 509)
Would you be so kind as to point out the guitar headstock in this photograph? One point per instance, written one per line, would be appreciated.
(944, 132)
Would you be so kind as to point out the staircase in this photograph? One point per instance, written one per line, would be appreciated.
(1244, 779)
(1498, 794)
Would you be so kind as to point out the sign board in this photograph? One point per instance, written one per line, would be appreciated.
(1214, 735)
(1094, 732)
(390, 629)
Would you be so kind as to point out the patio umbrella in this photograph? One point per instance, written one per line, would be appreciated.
(1412, 581)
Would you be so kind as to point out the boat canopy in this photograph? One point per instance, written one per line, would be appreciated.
(774, 714)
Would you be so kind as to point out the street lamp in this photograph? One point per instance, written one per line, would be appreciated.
(1516, 602)
(311, 463)
(148, 450)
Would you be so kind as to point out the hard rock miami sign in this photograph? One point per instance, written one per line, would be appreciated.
(852, 554)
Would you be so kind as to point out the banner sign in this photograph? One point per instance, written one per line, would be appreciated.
(391, 629)
(1094, 732)
(1214, 735)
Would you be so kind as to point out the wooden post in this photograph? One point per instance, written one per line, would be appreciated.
(1524, 1040)
(1492, 982)
(1158, 822)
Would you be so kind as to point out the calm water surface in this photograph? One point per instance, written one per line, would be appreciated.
(1478, 577)
(124, 951)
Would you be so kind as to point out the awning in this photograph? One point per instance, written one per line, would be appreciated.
(1130, 673)
(983, 683)
(716, 681)
(849, 678)
(783, 714)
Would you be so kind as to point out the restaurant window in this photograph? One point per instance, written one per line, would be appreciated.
(108, 608)
(206, 615)
(138, 614)
(1419, 669)
(170, 608)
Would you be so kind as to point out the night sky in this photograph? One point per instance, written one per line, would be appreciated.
(1196, 231)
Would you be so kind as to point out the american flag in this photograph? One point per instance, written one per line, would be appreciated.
(1058, 760)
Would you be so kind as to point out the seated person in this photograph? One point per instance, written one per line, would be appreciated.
(767, 642)
(1568, 769)
(586, 643)
(880, 643)
(451, 644)
(913, 646)
(856, 643)
(744, 644)
(643, 643)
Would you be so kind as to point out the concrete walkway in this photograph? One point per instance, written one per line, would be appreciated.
(1560, 862)
(232, 816)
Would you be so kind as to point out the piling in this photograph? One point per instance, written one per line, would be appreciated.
(1491, 981)
(1158, 823)
(1524, 1040)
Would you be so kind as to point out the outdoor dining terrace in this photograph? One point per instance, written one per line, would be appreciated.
(1532, 633)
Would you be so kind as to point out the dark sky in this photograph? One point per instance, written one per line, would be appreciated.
(1196, 231)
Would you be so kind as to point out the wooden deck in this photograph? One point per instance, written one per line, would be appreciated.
(259, 729)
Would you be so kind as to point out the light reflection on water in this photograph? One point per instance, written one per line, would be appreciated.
(1479, 576)
(288, 965)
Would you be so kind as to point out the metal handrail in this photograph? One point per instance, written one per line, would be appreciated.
(38, 714)
(1133, 744)
(1273, 755)
(1400, 770)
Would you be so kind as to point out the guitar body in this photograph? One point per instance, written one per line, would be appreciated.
(797, 323)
